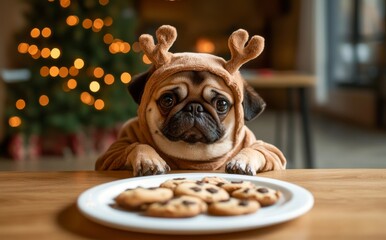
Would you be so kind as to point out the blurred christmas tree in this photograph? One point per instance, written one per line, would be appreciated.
(80, 54)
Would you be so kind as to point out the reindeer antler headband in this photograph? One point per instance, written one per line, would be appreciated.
(166, 35)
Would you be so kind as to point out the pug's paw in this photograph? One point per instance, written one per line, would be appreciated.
(246, 162)
(145, 161)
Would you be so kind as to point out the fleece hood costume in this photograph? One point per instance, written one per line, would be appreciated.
(165, 64)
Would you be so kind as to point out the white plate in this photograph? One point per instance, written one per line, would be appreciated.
(95, 204)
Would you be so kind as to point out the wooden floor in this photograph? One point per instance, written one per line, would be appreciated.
(336, 145)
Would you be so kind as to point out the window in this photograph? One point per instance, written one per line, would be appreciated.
(356, 40)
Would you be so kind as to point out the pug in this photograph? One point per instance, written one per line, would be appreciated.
(191, 114)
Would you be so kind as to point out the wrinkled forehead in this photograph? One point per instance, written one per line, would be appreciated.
(196, 81)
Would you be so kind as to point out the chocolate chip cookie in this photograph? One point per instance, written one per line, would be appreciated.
(178, 207)
(173, 183)
(235, 185)
(138, 197)
(233, 206)
(205, 191)
(215, 180)
(264, 195)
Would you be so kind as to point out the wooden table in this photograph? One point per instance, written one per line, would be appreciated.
(295, 83)
(349, 204)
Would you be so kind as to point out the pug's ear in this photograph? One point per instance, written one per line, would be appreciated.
(253, 104)
(137, 85)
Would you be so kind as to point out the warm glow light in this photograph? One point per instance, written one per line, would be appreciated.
(108, 38)
(108, 21)
(44, 71)
(35, 32)
(96, 29)
(79, 63)
(46, 32)
(33, 49)
(46, 52)
(20, 104)
(55, 53)
(119, 46)
(44, 100)
(145, 59)
(99, 104)
(98, 23)
(23, 47)
(114, 47)
(87, 23)
(103, 2)
(65, 3)
(109, 79)
(71, 83)
(54, 71)
(73, 71)
(86, 98)
(98, 72)
(14, 121)
(72, 20)
(136, 47)
(125, 77)
(36, 55)
(124, 47)
(63, 72)
(94, 86)
(204, 45)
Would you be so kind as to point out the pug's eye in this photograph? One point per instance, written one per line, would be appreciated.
(167, 100)
(222, 106)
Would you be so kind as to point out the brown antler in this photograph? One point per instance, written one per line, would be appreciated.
(158, 54)
(241, 54)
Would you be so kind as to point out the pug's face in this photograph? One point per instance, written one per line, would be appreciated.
(191, 116)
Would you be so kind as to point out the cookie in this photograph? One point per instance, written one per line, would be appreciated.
(205, 191)
(233, 206)
(235, 185)
(215, 180)
(173, 183)
(138, 197)
(178, 207)
(264, 195)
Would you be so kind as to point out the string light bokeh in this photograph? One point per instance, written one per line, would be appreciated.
(99, 78)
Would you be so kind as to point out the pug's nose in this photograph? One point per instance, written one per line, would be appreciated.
(194, 108)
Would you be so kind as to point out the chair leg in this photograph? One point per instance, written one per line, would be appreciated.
(290, 126)
(307, 139)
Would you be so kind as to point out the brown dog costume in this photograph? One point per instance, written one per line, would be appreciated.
(142, 145)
